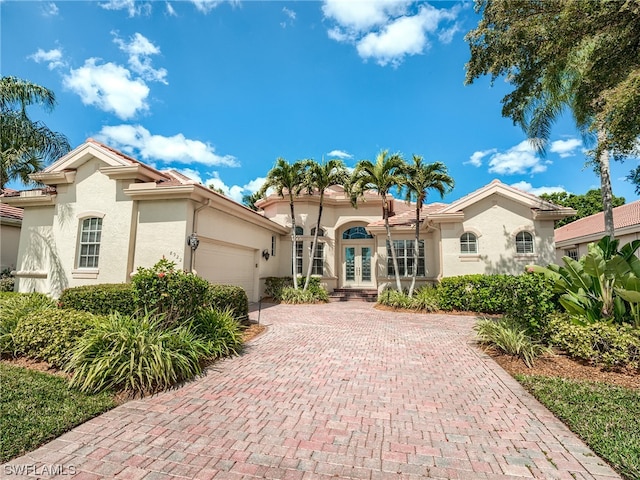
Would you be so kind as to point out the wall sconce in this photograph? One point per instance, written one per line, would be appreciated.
(193, 241)
(265, 254)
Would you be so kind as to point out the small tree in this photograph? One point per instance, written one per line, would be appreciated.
(380, 177)
(420, 177)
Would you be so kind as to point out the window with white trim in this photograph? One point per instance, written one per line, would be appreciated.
(405, 256)
(318, 260)
(89, 244)
(524, 243)
(320, 232)
(468, 243)
(273, 245)
(299, 253)
(572, 253)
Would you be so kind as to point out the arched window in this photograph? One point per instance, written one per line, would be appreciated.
(320, 233)
(468, 243)
(299, 231)
(356, 233)
(524, 242)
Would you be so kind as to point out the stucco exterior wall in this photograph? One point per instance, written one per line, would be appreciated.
(582, 245)
(9, 243)
(495, 221)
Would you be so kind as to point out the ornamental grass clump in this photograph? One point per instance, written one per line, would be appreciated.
(509, 337)
(136, 355)
(220, 330)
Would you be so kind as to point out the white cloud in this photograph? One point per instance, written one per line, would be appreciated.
(361, 16)
(205, 6)
(137, 140)
(108, 87)
(521, 159)
(52, 57)
(50, 9)
(476, 158)
(236, 192)
(527, 187)
(291, 16)
(170, 10)
(139, 50)
(566, 148)
(387, 30)
(132, 7)
(339, 154)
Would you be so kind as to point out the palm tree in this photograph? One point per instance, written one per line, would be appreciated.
(319, 178)
(381, 177)
(25, 145)
(287, 177)
(420, 177)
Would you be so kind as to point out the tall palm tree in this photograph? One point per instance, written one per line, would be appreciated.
(380, 177)
(420, 177)
(289, 178)
(320, 177)
(25, 145)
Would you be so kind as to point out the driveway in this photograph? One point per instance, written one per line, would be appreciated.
(332, 391)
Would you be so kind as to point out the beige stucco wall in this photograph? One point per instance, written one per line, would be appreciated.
(495, 220)
(9, 243)
(625, 236)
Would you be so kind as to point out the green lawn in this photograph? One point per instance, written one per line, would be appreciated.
(606, 417)
(37, 407)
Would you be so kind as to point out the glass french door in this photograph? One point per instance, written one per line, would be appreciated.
(357, 266)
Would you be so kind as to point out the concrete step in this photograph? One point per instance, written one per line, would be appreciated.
(353, 295)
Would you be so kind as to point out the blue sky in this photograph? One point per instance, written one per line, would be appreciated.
(219, 90)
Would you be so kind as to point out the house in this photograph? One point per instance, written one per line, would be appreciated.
(496, 229)
(102, 214)
(10, 224)
(573, 238)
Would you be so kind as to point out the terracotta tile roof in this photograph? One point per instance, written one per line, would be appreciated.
(9, 211)
(129, 159)
(405, 214)
(623, 216)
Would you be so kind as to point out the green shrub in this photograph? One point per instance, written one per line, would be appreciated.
(135, 355)
(223, 297)
(598, 343)
(7, 284)
(100, 299)
(275, 285)
(475, 293)
(221, 329)
(13, 308)
(425, 299)
(174, 294)
(311, 295)
(530, 301)
(509, 337)
(394, 298)
(51, 334)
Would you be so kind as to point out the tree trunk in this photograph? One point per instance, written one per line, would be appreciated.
(385, 213)
(313, 245)
(293, 245)
(416, 249)
(605, 188)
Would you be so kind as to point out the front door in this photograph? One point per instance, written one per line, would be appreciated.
(357, 266)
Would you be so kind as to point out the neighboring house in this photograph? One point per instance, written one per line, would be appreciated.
(103, 214)
(10, 224)
(496, 229)
(573, 238)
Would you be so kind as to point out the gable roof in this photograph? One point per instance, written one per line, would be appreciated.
(624, 216)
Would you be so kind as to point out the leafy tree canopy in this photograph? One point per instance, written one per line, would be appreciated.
(581, 54)
(585, 205)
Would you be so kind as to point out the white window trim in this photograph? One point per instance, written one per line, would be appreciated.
(85, 272)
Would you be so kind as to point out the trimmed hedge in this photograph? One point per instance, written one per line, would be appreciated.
(101, 299)
(228, 297)
(13, 307)
(276, 287)
(51, 334)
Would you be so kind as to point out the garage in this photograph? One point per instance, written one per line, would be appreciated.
(228, 264)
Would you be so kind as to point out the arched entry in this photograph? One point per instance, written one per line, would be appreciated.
(357, 246)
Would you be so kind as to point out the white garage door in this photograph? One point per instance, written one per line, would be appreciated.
(226, 264)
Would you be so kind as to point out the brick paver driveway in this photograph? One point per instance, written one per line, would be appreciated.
(333, 391)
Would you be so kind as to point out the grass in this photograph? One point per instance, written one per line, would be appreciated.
(36, 407)
(606, 417)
